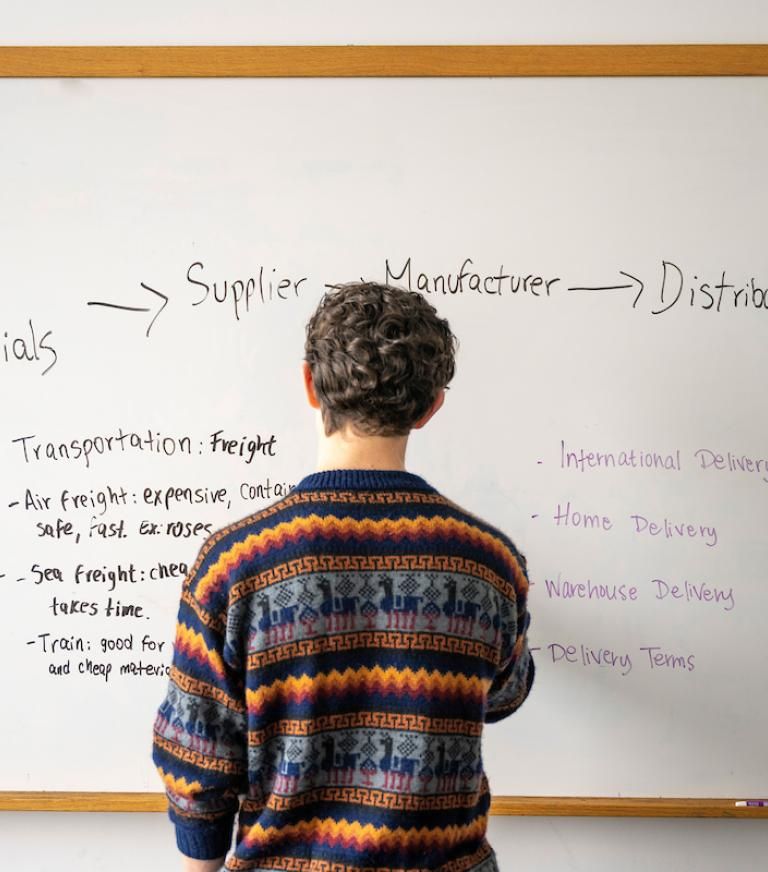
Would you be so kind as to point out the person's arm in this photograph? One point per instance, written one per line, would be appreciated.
(516, 670)
(199, 739)
(190, 865)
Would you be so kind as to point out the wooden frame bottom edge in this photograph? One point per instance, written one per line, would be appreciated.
(540, 806)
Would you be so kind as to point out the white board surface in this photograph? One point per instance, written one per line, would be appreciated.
(109, 187)
(399, 22)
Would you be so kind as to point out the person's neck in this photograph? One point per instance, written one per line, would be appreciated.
(345, 450)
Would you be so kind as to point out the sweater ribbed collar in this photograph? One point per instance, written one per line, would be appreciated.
(363, 479)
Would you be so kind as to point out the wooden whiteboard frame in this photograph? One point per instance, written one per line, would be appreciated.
(316, 61)
(381, 61)
(543, 806)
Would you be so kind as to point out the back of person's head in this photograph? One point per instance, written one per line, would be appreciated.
(379, 356)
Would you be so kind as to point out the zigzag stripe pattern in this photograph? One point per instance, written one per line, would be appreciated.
(179, 786)
(301, 497)
(346, 529)
(364, 837)
(389, 682)
(213, 622)
(191, 644)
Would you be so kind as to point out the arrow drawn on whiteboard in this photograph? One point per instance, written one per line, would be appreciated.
(333, 285)
(160, 294)
(635, 280)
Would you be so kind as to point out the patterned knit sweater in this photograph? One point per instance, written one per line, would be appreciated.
(336, 656)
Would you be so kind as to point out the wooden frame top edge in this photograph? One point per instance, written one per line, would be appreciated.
(380, 61)
(541, 806)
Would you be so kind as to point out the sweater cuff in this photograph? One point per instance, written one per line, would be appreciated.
(206, 841)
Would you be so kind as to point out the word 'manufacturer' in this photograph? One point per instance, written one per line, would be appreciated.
(466, 279)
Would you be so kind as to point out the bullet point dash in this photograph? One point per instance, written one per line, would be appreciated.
(11, 505)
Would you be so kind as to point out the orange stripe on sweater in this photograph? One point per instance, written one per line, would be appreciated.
(192, 644)
(398, 682)
(179, 786)
(364, 837)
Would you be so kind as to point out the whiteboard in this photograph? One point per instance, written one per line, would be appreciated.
(618, 435)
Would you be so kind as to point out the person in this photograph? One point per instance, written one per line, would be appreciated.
(338, 652)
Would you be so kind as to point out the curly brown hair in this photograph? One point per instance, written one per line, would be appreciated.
(379, 355)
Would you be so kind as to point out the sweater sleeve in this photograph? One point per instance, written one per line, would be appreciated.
(515, 674)
(199, 738)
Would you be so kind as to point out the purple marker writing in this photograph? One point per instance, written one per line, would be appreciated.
(753, 803)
